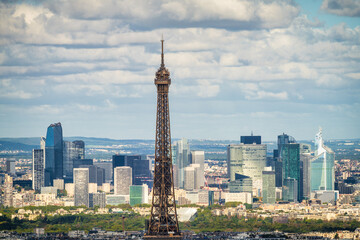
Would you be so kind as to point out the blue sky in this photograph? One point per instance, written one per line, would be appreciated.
(236, 66)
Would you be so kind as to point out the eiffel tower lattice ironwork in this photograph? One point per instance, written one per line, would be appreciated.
(163, 222)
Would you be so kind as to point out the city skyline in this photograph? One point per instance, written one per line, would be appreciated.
(267, 67)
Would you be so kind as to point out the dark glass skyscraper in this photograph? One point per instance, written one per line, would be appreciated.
(53, 154)
(291, 164)
(73, 151)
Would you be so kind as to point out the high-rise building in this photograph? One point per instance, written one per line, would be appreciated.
(305, 160)
(122, 180)
(8, 191)
(107, 166)
(10, 166)
(250, 139)
(268, 190)
(53, 154)
(72, 151)
(198, 157)
(182, 160)
(281, 140)
(80, 162)
(96, 174)
(290, 154)
(175, 165)
(97, 199)
(249, 160)
(81, 188)
(322, 166)
(284, 139)
(241, 183)
(38, 165)
(139, 194)
(140, 166)
(118, 160)
(189, 178)
(290, 190)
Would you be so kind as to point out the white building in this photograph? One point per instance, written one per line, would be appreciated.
(122, 180)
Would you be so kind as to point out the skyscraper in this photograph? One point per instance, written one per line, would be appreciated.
(10, 166)
(182, 160)
(140, 169)
(268, 190)
(290, 190)
(81, 182)
(241, 183)
(282, 139)
(53, 154)
(38, 169)
(249, 160)
(322, 166)
(72, 151)
(122, 180)
(290, 154)
(96, 174)
(198, 157)
(189, 178)
(305, 160)
(139, 194)
(8, 191)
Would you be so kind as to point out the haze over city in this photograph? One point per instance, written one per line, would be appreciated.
(236, 67)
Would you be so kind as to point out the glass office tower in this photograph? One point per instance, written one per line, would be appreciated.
(53, 154)
(322, 166)
(249, 160)
(72, 151)
(291, 164)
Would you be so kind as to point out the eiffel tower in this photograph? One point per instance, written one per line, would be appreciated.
(163, 222)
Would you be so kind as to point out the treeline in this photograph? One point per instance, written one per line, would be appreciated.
(204, 222)
(66, 223)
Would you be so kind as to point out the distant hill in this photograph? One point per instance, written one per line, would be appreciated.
(12, 146)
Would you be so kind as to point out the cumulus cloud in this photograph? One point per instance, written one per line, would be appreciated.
(225, 58)
(350, 8)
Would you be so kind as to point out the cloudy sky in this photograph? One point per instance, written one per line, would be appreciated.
(236, 66)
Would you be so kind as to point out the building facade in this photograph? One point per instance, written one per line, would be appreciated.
(290, 155)
(38, 169)
(322, 166)
(198, 157)
(53, 154)
(182, 160)
(72, 151)
(122, 180)
(81, 186)
(249, 160)
(268, 190)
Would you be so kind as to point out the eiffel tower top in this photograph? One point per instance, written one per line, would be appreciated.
(162, 74)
